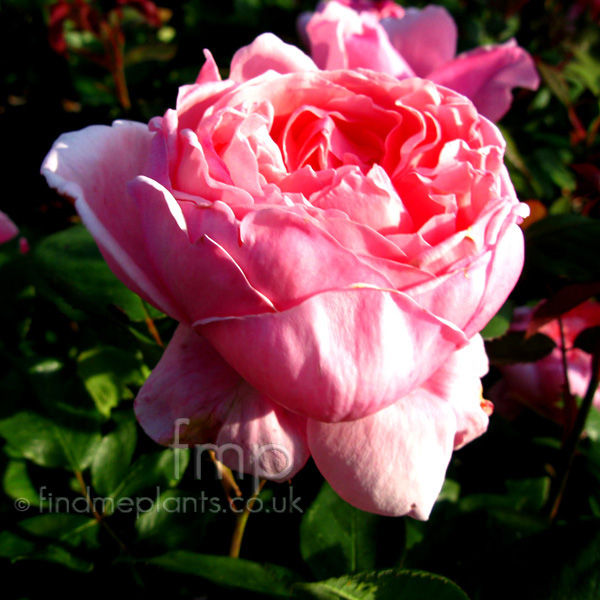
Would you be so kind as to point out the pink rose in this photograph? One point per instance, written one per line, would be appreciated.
(331, 243)
(8, 230)
(540, 385)
(414, 42)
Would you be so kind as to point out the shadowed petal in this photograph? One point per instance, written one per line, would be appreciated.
(194, 397)
(8, 230)
(426, 38)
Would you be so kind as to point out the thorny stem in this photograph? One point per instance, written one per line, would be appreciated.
(570, 444)
(99, 518)
(242, 519)
(570, 407)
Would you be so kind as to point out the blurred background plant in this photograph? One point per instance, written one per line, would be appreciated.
(76, 345)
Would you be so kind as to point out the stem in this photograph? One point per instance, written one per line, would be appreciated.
(151, 326)
(570, 406)
(242, 519)
(113, 42)
(99, 518)
(570, 445)
(225, 475)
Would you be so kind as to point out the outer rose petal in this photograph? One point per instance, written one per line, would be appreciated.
(93, 166)
(426, 38)
(8, 230)
(188, 267)
(487, 75)
(193, 382)
(268, 52)
(394, 462)
(339, 355)
(475, 289)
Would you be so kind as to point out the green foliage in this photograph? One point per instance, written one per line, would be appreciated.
(336, 538)
(383, 585)
(72, 266)
(271, 580)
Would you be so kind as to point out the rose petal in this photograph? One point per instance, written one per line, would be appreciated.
(487, 75)
(341, 38)
(340, 355)
(370, 200)
(268, 52)
(198, 273)
(194, 397)
(394, 461)
(288, 257)
(93, 166)
(426, 39)
(8, 230)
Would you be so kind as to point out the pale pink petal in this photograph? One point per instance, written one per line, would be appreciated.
(194, 397)
(8, 230)
(268, 52)
(370, 200)
(341, 38)
(209, 73)
(394, 461)
(487, 75)
(426, 39)
(339, 355)
(503, 272)
(289, 257)
(455, 296)
(93, 166)
(458, 382)
(198, 273)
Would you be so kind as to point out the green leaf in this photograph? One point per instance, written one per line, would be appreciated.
(555, 80)
(15, 548)
(231, 572)
(383, 585)
(588, 340)
(106, 372)
(175, 518)
(111, 462)
(66, 440)
(592, 424)
(523, 496)
(72, 265)
(17, 483)
(156, 470)
(563, 562)
(500, 323)
(336, 538)
(563, 246)
(515, 348)
(71, 529)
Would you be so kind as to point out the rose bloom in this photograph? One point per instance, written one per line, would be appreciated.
(347, 34)
(331, 243)
(540, 385)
